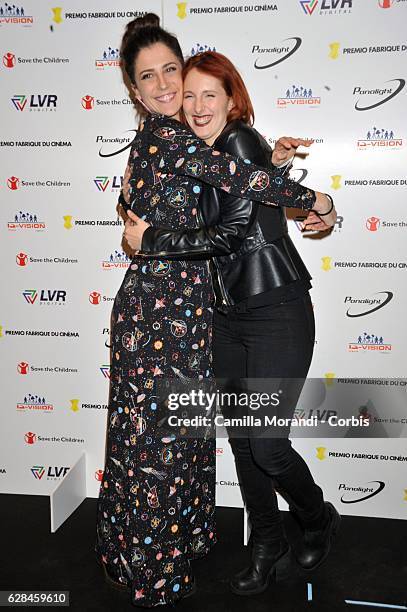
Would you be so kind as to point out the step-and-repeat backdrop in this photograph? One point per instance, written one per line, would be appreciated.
(330, 70)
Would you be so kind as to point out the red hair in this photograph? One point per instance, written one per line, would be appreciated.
(220, 67)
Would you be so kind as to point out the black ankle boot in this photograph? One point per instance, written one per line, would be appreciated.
(317, 544)
(266, 561)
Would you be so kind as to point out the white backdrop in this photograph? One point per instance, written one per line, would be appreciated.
(331, 70)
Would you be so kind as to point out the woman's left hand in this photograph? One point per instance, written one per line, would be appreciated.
(286, 147)
(134, 229)
(314, 223)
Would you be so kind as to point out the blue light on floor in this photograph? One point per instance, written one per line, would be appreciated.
(372, 603)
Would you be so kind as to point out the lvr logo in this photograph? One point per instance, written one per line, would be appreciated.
(88, 102)
(373, 224)
(9, 60)
(13, 183)
(36, 101)
(22, 259)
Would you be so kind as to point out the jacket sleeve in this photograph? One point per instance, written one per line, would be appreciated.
(240, 177)
(233, 223)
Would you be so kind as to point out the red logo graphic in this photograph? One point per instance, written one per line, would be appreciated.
(385, 3)
(99, 475)
(9, 60)
(30, 437)
(13, 183)
(88, 102)
(94, 297)
(22, 367)
(22, 259)
(373, 224)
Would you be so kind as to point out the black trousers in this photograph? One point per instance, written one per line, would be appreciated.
(270, 342)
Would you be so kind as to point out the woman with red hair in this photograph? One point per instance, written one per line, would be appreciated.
(263, 326)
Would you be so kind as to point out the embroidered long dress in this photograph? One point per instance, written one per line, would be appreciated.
(157, 497)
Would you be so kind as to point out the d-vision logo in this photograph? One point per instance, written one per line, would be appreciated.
(298, 95)
(10, 14)
(368, 98)
(356, 494)
(361, 307)
(379, 138)
(277, 53)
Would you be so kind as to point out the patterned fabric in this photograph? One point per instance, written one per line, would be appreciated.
(157, 497)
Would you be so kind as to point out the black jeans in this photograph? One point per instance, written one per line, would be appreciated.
(275, 341)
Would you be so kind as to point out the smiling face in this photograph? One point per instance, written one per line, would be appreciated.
(206, 105)
(158, 77)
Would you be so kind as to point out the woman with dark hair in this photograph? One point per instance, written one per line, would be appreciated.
(263, 325)
(156, 503)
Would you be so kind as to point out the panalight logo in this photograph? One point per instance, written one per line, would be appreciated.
(94, 298)
(360, 307)
(368, 98)
(353, 495)
(30, 437)
(297, 95)
(308, 6)
(321, 452)
(110, 58)
(21, 259)
(88, 102)
(22, 367)
(379, 138)
(373, 224)
(9, 60)
(182, 10)
(13, 183)
(334, 50)
(14, 15)
(281, 52)
(101, 182)
(36, 102)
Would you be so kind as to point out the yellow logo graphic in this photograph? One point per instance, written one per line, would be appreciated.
(326, 263)
(182, 10)
(334, 50)
(74, 405)
(336, 181)
(321, 450)
(1, 331)
(57, 14)
(405, 494)
(329, 378)
(67, 221)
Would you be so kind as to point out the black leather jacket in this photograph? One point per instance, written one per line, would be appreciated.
(248, 241)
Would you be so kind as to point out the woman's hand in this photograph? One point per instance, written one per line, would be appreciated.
(134, 229)
(324, 222)
(286, 147)
(126, 184)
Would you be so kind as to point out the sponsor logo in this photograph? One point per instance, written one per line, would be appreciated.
(297, 95)
(14, 183)
(329, 379)
(88, 102)
(326, 263)
(22, 367)
(353, 495)
(209, 10)
(369, 342)
(35, 143)
(385, 4)
(278, 53)
(110, 59)
(386, 182)
(336, 181)
(70, 222)
(3, 470)
(373, 224)
(320, 416)
(102, 183)
(377, 138)
(181, 10)
(9, 60)
(39, 332)
(118, 259)
(95, 298)
(327, 7)
(399, 48)
(33, 438)
(321, 453)
(109, 145)
(329, 264)
(201, 49)
(219, 451)
(22, 259)
(106, 332)
(34, 403)
(105, 370)
(372, 98)
(53, 472)
(360, 307)
(50, 297)
(99, 475)
(14, 15)
(57, 16)
(35, 102)
(74, 405)
(26, 221)
(334, 50)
